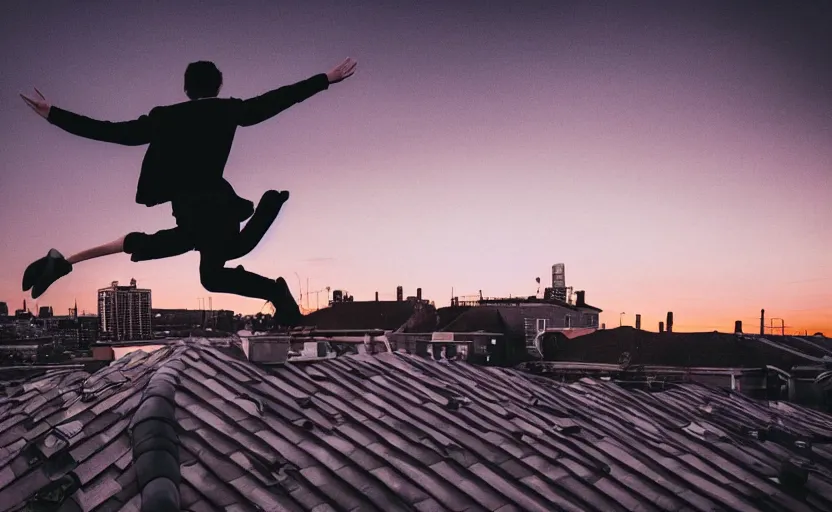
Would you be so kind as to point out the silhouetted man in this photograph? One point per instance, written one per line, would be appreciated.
(189, 144)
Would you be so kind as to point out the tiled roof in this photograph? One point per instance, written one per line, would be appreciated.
(388, 315)
(682, 349)
(394, 432)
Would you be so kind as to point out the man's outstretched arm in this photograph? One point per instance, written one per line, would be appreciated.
(127, 133)
(263, 107)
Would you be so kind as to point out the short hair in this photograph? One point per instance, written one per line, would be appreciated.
(202, 80)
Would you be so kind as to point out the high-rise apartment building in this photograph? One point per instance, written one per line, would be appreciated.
(124, 313)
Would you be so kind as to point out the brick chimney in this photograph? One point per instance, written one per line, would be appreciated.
(418, 294)
(738, 327)
(399, 294)
(661, 326)
(376, 296)
(580, 298)
(638, 321)
(670, 321)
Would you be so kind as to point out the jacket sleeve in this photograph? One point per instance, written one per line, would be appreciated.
(127, 133)
(263, 107)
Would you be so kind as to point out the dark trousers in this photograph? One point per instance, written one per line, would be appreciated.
(213, 229)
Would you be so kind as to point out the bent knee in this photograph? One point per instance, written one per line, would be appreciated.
(211, 279)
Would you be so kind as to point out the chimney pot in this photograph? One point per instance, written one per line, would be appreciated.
(376, 296)
(738, 327)
(762, 322)
(661, 326)
(670, 321)
(399, 294)
(638, 321)
(418, 294)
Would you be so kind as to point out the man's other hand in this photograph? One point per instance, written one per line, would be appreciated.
(39, 104)
(342, 71)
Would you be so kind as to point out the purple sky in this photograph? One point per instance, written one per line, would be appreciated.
(675, 156)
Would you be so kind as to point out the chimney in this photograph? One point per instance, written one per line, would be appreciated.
(661, 327)
(419, 294)
(579, 299)
(399, 294)
(762, 322)
(133, 283)
(376, 296)
(738, 327)
(266, 349)
(638, 321)
(670, 321)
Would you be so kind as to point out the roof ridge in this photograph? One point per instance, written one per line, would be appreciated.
(154, 439)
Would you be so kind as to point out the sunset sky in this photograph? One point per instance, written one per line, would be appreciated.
(676, 156)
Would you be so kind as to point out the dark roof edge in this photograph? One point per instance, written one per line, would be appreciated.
(153, 434)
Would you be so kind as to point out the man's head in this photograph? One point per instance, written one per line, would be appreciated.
(202, 80)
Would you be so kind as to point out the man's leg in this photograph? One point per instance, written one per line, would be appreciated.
(213, 241)
(163, 244)
(218, 278)
(36, 269)
(114, 247)
(255, 229)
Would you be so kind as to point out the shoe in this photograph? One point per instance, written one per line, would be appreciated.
(54, 268)
(33, 271)
(287, 313)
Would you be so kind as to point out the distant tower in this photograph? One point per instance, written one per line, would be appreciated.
(559, 281)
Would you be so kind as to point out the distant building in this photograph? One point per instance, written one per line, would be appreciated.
(45, 312)
(23, 314)
(88, 331)
(184, 320)
(4, 309)
(125, 313)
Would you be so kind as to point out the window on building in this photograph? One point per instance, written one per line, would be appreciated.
(542, 324)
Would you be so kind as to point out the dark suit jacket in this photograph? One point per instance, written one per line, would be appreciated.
(189, 142)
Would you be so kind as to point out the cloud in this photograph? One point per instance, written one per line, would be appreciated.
(319, 260)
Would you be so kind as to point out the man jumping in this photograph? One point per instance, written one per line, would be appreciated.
(189, 144)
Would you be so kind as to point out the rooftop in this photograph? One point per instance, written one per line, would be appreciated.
(708, 349)
(385, 315)
(394, 432)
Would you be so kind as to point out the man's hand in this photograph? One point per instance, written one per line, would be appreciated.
(342, 71)
(39, 104)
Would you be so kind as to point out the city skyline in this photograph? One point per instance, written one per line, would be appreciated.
(675, 158)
